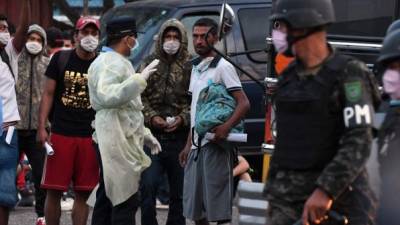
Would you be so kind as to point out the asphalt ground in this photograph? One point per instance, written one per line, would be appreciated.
(27, 216)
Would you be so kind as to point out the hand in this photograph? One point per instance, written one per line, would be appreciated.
(153, 144)
(172, 127)
(42, 136)
(183, 155)
(221, 132)
(316, 207)
(158, 122)
(151, 68)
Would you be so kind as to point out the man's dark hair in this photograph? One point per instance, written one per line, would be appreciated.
(207, 22)
(67, 35)
(115, 39)
(54, 37)
(11, 28)
(174, 29)
(3, 17)
(112, 40)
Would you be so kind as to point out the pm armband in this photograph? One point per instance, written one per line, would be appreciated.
(358, 110)
(357, 115)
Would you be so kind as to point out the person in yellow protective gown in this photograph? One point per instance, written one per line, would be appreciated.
(114, 90)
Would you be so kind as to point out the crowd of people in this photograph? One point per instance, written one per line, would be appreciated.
(115, 132)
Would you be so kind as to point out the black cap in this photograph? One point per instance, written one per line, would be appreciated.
(304, 13)
(394, 26)
(121, 27)
(391, 48)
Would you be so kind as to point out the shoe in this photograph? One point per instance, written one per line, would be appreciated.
(26, 198)
(40, 221)
(159, 205)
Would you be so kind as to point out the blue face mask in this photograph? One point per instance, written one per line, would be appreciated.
(135, 50)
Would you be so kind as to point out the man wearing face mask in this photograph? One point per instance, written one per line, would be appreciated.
(166, 111)
(389, 133)
(10, 49)
(65, 102)
(324, 110)
(120, 134)
(32, 65)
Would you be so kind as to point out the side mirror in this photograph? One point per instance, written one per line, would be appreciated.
(226, 20)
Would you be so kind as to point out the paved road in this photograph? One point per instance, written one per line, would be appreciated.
(26, 216)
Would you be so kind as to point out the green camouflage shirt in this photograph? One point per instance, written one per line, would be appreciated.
(166, 93)
(288, 188)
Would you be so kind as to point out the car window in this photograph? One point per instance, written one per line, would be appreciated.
(189, 20)
(254, 31)
(368, 18)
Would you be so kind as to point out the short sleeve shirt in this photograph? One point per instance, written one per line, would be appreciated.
(72, 113)
(218, 71)
(7, 85)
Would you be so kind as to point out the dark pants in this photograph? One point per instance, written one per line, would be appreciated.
(167, 161)
(104, 213)
(36, 155)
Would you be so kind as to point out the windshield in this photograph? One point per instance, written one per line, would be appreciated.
(365, 18)
(147, 21)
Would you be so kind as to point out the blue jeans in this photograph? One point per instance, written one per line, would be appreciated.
(168, 161)
(8, 170)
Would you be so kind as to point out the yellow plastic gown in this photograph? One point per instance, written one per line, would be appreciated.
(114, 91)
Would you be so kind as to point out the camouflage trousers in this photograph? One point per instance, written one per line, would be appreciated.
(287, 195)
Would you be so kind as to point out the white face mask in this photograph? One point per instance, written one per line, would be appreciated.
(171, 47)
(135, 49)
(279, 39)
(33, 47)
(89, 43)
(4, 37)
(391, 83)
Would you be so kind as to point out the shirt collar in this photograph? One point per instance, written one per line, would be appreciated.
(213, 63)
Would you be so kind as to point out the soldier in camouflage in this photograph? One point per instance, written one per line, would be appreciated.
(324, 110)
(166, 110)
(389, 132)
(32, 65)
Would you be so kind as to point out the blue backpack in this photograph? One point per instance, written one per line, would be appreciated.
(214, 107)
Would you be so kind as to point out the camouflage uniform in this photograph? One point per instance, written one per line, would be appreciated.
(166, 92)
(389, 156)
(166, 95)
(344, 177)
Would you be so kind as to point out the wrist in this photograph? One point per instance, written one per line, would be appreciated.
(41, 127)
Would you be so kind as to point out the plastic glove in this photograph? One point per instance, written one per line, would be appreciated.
(151, 68)
(153, 144)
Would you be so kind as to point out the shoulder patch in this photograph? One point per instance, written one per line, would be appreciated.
(353, 91)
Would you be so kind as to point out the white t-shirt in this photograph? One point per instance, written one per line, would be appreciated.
(7, 85)
(218, 71)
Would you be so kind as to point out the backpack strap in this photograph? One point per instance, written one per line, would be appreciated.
(198, 145)
(63, 59)
(6, 60)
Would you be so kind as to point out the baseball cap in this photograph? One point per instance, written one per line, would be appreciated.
(120, 27)
(86, 20)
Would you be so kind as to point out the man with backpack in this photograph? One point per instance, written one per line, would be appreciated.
(9, 52)
(208, 178)
(65, 102)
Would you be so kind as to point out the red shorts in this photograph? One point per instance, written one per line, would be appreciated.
(74, 161)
